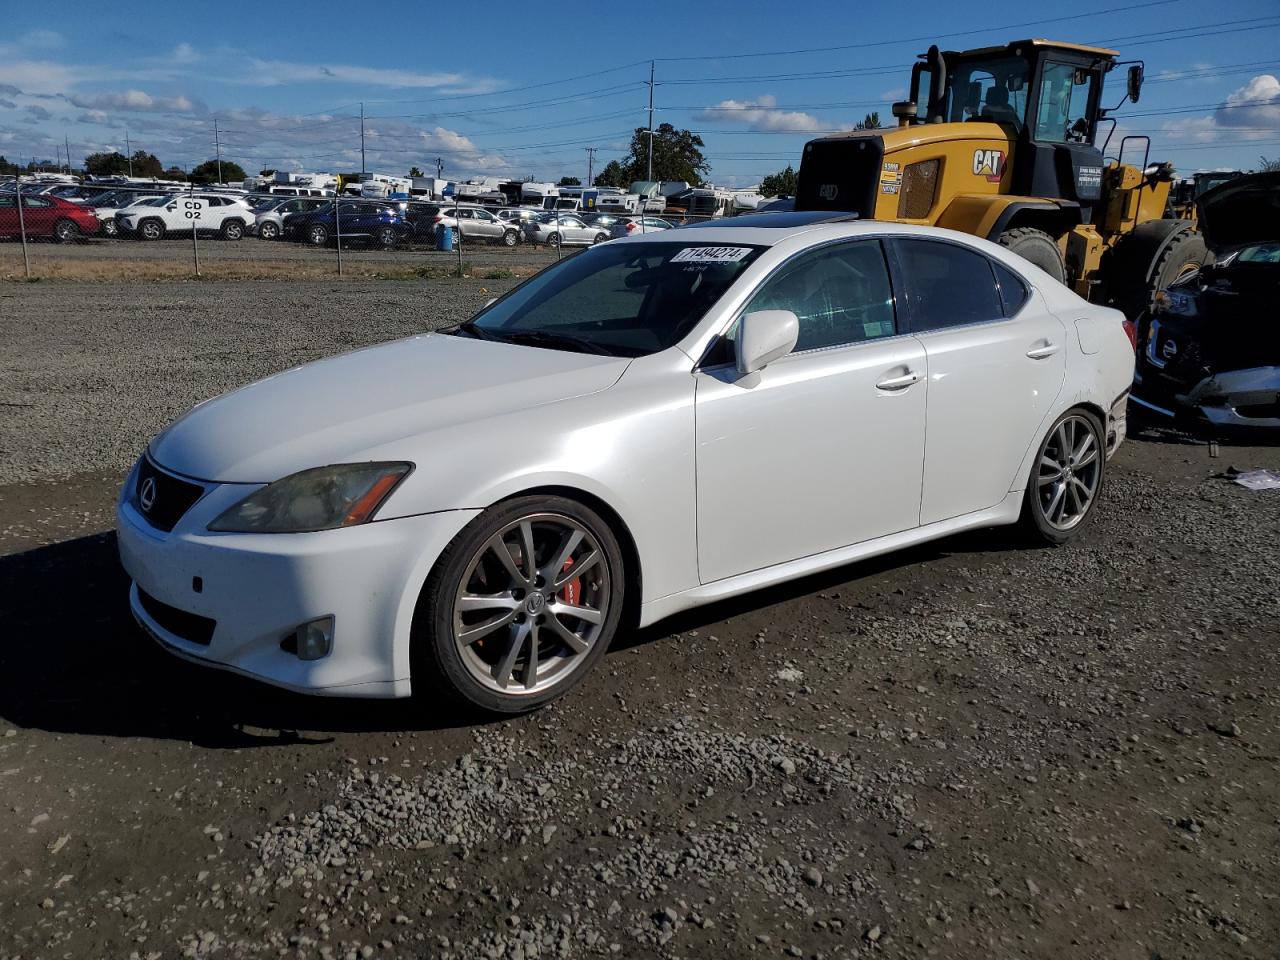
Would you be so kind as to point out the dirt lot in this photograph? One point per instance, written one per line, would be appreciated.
(966, 750)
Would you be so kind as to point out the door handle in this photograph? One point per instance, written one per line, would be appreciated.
(900, 382)
(1039, 353)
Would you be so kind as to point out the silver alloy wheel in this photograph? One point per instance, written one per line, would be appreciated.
(532, 604)
(151, 229)
(388, 237)
(319, 235)
(110, 228)
(1069, 471)
(268, 231)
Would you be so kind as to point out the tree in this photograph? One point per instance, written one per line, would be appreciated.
(677, 155)
(174, 173)
(415, 172)
(570, 182)
(207, 172)
(781, 184)
(7, 168)
(613, 176)
(106, 164)
(1264, 165)
(870, 122)
(146, 165)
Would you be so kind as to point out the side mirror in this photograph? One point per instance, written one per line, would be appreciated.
(1135, 82)
(763, 337)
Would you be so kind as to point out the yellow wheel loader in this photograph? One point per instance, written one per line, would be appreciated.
(1000, 142)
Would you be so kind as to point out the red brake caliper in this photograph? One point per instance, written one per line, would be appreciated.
(572, 592)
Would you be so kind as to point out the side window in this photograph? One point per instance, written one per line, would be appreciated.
(29, 203)
(947, 285)
(841, 294)
(1014, 291)
(8, 203)
(1063, 112)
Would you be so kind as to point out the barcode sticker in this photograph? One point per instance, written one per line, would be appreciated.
(710, 254)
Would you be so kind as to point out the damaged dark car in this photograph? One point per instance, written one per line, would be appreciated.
(1209, 352)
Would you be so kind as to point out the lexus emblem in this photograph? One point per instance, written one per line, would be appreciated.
(147, 494)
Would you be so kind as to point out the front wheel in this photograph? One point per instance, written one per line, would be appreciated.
(110, 228)
(1066, 478)
(64, 231)
(388, 238)
(509, 238)
(268, 230)
(520, 605)
(151, 230)
(318, 235)
(232, 230)
(1037, 247)
(554, 240)
(600, 238)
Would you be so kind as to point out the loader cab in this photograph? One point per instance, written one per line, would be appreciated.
(1045, 95)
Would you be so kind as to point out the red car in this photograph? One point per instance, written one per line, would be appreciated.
(46, 217)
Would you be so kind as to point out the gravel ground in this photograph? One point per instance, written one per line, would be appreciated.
(968, 749)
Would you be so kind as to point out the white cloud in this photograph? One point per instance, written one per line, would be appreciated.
(1251, 112)
(279, 72)
(42, 39)
(133, 100)
(762, 114)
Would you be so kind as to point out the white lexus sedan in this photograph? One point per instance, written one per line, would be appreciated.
(655, 423)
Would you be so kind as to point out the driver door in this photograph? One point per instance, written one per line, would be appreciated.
(825, 447)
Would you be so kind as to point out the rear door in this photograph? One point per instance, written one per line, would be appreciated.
(996, 364)
(825, 447)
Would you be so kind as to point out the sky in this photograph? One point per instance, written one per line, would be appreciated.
(523, 89)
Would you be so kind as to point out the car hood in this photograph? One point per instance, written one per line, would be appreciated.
(336, 410)
(1241, 211)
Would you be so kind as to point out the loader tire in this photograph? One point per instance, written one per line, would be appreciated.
(1037, 247)
(1182, 257)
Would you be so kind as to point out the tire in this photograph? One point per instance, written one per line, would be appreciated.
(553, 240)
(388, 237)
(268, 231)
(600, 238)
(151, 229)
(65, 231)
(1051, 506)
(232, 229)
(1182, 257)
(491, 673)
(509, 238)
(1037, 247)
(1135, 273)
(110, 228)
(317, 234)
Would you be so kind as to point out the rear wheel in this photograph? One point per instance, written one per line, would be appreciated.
(318, 234)
(232, 229)
(268, 230)
(110, 228)
(600, 238)
(520, 605)
(553, 240)
(1066, 478)
(151, 230)
(388, 237)
(1181, 258)
(1037, 247)
(64, 231)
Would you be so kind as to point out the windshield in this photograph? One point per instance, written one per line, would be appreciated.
(1260, 253)
(989, 88)
(624, 299)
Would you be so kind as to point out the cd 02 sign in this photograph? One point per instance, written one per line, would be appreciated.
(192, 209)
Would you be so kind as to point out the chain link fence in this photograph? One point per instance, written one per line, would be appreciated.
(158, 231)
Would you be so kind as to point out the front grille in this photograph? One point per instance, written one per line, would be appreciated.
(188, 626)
(161, 497)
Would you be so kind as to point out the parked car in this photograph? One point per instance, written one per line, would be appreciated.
(605, 220)
(358, 221)
(180, 213)
(109, 205)
(477, 223)
(567, 229)
(627, 226)
(46, 217)
(1209, 353)
(657, 423)
(518, 216)
(269, 218)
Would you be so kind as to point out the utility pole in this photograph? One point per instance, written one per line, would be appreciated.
(650, 174)
(127, 151)
(217, 146)
(362, 139)
(591, 159)
(439, 168)
(66, 142)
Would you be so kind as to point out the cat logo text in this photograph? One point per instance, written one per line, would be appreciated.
(989, 164)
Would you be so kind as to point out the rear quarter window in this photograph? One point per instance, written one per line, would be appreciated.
(1014, 291)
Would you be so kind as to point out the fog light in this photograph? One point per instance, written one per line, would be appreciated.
(314, 638)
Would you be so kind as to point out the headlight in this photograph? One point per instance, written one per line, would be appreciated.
(1175, 303)
(324, 498)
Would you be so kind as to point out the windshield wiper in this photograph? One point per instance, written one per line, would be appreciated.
(544, 338)
(472, 328)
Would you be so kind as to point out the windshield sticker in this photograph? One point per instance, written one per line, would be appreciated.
(711, 254)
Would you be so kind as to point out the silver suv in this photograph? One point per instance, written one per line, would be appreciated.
(477, 223)
(269, 218)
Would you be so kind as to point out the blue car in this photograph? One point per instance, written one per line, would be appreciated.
(362, 221)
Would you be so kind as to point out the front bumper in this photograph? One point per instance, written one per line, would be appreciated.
(256, 589)
(1233, 400)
